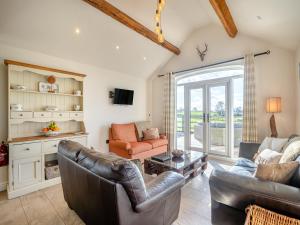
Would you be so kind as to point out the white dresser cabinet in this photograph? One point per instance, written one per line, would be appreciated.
(32, 156)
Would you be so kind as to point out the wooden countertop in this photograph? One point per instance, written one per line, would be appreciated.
(44, 138)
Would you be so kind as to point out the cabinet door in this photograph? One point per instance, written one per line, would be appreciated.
(26, 171)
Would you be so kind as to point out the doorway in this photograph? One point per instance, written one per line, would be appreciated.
(209, 112)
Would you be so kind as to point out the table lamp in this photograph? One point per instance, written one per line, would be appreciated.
(273, 106)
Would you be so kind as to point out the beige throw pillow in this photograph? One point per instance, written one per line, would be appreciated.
(280, 173)
(151, 133)
(268, 156)
(275, 144)
(291, 151)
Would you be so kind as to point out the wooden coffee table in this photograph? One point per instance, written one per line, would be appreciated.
(189, 165)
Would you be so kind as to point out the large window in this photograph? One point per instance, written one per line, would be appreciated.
(210, 110)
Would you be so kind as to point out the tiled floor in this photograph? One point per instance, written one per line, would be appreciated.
(47, 206)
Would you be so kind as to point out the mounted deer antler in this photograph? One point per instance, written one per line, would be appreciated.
(203, 53)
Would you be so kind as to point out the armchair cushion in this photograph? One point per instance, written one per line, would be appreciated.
(124, 132)
(240, 191)
(160, 188)
(157, 142)
(138, 147)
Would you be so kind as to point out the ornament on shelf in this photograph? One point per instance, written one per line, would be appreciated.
(53, 87)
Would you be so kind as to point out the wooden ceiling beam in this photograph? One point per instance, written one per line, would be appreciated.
(123, 18)
(223, 12)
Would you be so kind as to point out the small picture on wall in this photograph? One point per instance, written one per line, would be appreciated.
(46, 87)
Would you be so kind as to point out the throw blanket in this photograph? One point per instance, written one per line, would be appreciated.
(244, 167)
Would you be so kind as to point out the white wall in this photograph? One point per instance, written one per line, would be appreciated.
(298, 88)
(275, 73)
(99, 112)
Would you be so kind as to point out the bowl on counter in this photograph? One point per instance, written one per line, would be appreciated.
(50, 133)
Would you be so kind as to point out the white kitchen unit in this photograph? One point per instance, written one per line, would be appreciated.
(30, 153)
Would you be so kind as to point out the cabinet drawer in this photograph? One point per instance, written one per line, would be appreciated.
(76, 115)
(26, 150)
(80, 140)
(61, 115)
(51, 146)
(21, 115)
(42, 114)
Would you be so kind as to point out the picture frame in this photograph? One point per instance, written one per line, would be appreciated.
(46, 87)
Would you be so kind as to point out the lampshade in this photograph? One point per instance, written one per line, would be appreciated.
(273, 105)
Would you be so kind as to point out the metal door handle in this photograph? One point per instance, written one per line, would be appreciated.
(208, 118)
(204, 117)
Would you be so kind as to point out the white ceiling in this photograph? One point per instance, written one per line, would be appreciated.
(48, 26)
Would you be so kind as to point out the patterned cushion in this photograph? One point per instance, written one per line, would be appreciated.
(151, 133)
(291, 151)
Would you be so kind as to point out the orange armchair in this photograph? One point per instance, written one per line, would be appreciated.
(124, 141)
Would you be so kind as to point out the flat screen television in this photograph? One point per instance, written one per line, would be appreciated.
(123, 97)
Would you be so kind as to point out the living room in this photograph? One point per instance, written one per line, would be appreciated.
(204, 78)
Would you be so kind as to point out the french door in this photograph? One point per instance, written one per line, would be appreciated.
(207, 114)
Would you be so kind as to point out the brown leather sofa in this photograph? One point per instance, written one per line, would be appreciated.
(231, 193)
(104, 189)
(124, 140)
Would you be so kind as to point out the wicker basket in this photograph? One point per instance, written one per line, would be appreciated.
(260, 216)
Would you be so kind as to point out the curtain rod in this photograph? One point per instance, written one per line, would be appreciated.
(218, 63)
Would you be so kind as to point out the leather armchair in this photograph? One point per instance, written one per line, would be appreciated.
(231, 193)
(104, 189)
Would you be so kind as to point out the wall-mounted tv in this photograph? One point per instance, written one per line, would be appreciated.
(123, 97)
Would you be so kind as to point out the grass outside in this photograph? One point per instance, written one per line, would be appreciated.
(197, 117)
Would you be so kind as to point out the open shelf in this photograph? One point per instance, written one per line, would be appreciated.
(44, 93)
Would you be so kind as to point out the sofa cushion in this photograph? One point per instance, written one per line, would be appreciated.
(280, 173)
(157, 142)
(116, 169)
(268, 156)
(275, 144)
(142, 125)
(150, 134)
(291, 150)
(138, 147)
(124, 132)
(295, 181)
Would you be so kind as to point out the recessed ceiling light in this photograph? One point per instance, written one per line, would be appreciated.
(145, 58)
(259, 17)
(117, 47)
(77, 31)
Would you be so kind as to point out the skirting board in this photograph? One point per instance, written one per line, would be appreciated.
(3, 186)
